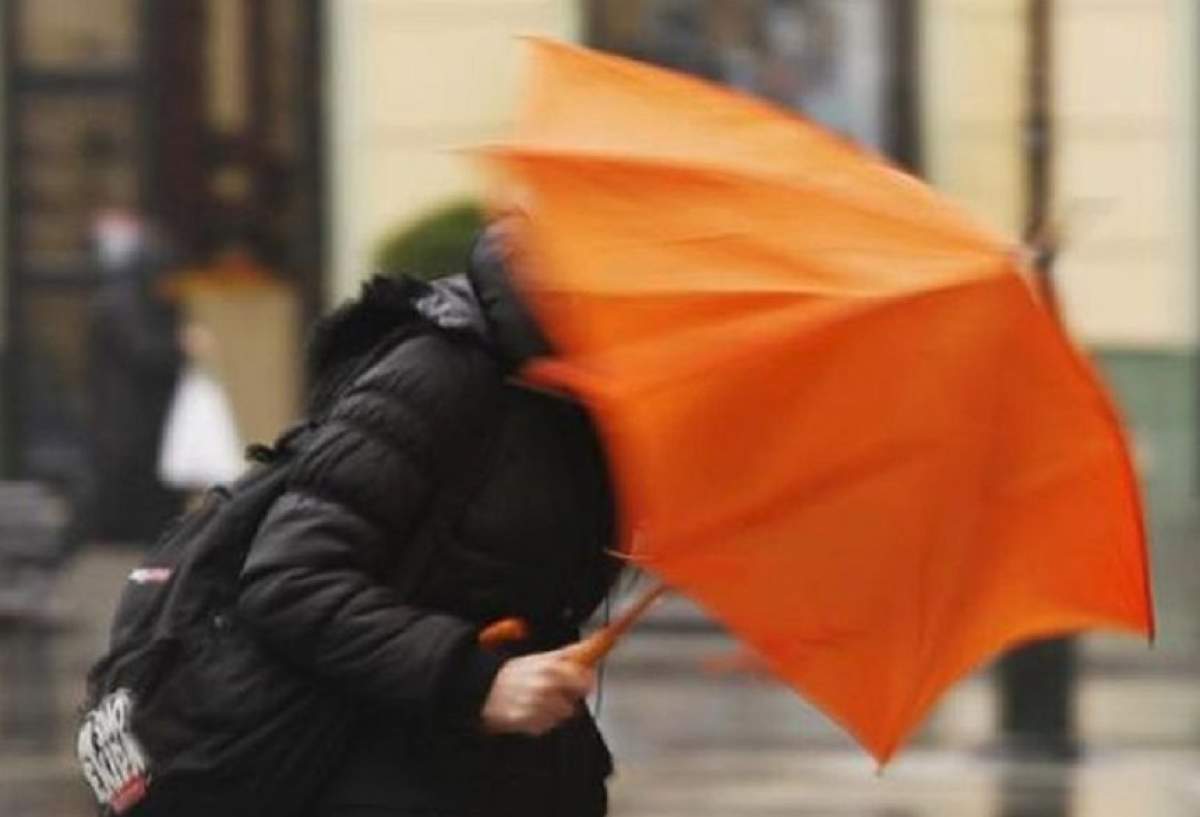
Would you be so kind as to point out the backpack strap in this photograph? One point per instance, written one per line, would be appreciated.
(293, 438)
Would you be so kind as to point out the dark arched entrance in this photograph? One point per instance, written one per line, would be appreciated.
(203, 114)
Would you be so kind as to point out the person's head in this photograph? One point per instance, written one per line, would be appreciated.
(118, 236)
(129, 248)
(490, 270)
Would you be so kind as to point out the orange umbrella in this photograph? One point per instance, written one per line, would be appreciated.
(836, 416)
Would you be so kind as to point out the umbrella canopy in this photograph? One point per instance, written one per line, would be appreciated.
(835, 413)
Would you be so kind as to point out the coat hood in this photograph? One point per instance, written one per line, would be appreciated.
(481, 303)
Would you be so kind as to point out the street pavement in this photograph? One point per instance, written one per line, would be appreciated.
(697, 744)
(692, 740)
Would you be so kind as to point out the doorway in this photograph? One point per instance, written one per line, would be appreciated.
(204, 115)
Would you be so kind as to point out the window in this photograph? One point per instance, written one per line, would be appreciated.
(58, 35)
(845, 63)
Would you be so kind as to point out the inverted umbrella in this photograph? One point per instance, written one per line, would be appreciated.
(836, 415)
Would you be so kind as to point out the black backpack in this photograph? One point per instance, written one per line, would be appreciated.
(186, 713)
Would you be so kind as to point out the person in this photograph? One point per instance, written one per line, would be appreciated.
(446, 727)
(135, 355)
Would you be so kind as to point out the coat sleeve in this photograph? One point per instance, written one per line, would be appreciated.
(318, 583)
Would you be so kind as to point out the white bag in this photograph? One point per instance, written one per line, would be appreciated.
(200, 444)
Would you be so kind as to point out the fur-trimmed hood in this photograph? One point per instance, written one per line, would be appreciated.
(482, 303)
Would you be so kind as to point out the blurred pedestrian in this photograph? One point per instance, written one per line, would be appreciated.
(135, 353)
(337, 583)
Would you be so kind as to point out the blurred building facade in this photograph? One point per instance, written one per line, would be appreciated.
(949, 88)
(199, 115)
(940, 85)
(305, 129)
(1122, 93)
(409, 85)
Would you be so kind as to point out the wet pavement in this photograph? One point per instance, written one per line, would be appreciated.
(773, 783)
(691, 741)
(698, 745)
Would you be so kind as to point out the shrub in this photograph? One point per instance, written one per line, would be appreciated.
(434, 245)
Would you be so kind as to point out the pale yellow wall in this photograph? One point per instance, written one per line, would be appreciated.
(411, 81)
(1126, 172)
(1125, 176)
(972, 67)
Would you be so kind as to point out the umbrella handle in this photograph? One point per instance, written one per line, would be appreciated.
(586, 652)
(502, 632)
(591, 650)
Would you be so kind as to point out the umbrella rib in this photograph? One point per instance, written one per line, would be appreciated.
(977, 239)
(782, 319)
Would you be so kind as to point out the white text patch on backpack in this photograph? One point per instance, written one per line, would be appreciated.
(150, 575)
(113, 761)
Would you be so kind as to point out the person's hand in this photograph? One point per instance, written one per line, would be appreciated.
(535, 693)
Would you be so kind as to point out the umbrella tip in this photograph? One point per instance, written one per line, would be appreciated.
(883, 758)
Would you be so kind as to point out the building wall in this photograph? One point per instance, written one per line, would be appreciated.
(1126, 170)
(1125, 100)
(411, 82)
(973, 56)
(1127, 178)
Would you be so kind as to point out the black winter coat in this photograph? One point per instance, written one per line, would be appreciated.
(329, 583)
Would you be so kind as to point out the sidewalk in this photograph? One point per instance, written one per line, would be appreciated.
(923, 783)
(691, 742)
